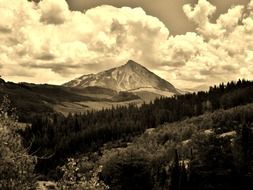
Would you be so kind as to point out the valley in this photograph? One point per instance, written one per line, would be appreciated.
(133, 84)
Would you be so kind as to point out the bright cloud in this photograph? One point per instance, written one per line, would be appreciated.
(48, 43)
(226, 46)
(48, 38)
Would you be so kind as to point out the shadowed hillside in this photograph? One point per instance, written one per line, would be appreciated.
(33, 99)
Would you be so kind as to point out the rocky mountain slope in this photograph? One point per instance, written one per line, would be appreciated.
(129, 77)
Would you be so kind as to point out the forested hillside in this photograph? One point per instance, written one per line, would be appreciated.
(42, 99)
(194, 141)
(211, 151)
(64, 136)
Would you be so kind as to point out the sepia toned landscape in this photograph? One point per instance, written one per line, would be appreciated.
(126, 95)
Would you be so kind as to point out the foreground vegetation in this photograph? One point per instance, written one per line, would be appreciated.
(16, 165)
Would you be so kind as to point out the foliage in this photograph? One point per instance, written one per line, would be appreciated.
(81, 174)
(16, 166)
(243, 154)
(128, 171)
(178, 175)
(207, 157)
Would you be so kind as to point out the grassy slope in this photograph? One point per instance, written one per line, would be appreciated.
(31, 99)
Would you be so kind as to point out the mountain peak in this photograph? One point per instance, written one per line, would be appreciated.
(130, 76)
(131, 62)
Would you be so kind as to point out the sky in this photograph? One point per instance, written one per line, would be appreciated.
(190, 43)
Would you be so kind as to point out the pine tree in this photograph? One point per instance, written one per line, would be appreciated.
(175, 173)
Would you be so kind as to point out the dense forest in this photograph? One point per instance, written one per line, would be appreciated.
(194, 141)
(211, 151)
(60, 136)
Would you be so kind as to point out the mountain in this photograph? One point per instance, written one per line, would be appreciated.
(128, 84)
(131, 77)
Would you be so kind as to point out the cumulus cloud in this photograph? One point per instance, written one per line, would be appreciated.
(46, 42)
(219, 51)
(48, 37)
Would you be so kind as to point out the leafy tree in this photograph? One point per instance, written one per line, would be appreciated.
(16, 166)
(128, 172)
(212, 166)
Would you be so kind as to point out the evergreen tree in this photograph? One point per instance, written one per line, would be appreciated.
(243, 154)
